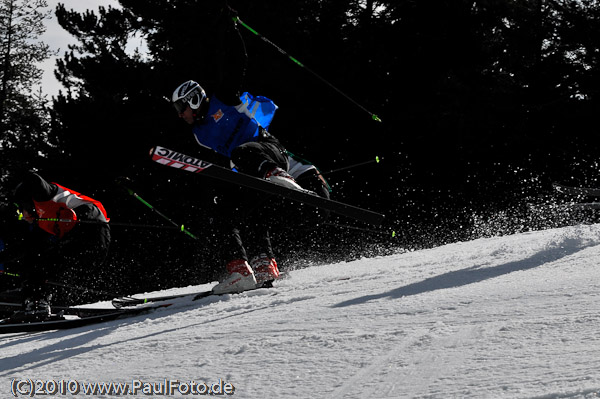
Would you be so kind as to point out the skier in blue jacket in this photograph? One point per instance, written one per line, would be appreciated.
(233, 127)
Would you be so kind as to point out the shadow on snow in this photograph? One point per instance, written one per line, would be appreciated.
(475, 274)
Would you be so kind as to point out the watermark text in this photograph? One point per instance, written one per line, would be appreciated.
(25, 387)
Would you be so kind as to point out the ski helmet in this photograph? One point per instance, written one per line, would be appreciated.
(188, 93)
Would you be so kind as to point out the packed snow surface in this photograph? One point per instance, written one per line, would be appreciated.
(503, 317)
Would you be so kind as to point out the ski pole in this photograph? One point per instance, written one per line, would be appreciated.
(179, 227)
(146, 226)
(376, 160)
(294, 60)
(174, 227)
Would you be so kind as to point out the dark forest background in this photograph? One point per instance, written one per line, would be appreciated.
(483, 105)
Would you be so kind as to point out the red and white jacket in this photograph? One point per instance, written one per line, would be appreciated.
(59, 209)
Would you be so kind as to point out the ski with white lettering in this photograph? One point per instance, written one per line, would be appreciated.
(177, 160)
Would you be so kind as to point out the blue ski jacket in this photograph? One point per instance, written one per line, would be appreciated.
(225, 127)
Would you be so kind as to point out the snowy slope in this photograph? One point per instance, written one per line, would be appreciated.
(503, 317)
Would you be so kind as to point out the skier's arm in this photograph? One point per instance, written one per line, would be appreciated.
(209, 155)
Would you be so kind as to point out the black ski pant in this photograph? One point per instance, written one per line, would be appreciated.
(247, 216)
(256, 158)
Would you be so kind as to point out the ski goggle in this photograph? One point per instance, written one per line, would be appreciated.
(180, 106)
(193, 99)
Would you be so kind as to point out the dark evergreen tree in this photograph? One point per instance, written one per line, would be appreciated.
(25, 136)
(107, 111)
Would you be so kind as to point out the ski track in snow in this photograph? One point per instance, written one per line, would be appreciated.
(502, 317)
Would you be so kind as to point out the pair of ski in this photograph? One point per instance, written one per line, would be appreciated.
(582, 191)
(73, 317)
